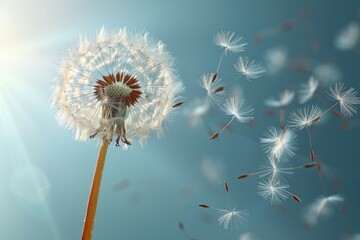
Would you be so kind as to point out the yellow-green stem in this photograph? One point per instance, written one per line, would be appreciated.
(94, 192)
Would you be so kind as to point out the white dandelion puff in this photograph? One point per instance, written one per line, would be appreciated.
(273, 171)
(196, 110)
(279, 142)
(212, 88)
(323, 206)
(246, 236)
(304, 117)
(348, 37)
(248, 68)
(119, 83)
(327, 73)
(346, 98)
(276, 59)
(285, 98)
(229, 42)
(239, 109)
(273, 190)
(232, 217)
(308, 90)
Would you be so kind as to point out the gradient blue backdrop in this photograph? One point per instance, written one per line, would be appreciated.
(45, 174)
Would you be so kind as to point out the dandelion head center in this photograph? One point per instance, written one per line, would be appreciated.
(121, 89)
(117, 89)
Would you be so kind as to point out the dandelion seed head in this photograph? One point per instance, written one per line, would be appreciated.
(323, 206)
(346, 98)
(210, 87)
(232, 217)
(273, 190)
(271, 169)
(308, 90)
(279, 143)
(248, 68)
(285, 98)
(229, 42)
(304, 117)
(121, 83)
(240, 109)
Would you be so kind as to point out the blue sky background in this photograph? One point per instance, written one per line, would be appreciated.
(45, 175)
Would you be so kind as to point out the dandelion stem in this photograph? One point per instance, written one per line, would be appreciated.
(329, 108)
(310, 142)
(227, 125)
(282, 117)
(220, 61)
(94, 192)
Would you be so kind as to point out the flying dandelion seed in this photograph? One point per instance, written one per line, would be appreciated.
(323, 206)
(229, 42)
(232, 217)
(212, 88)
(239, 110)
(346, 98)
(304, 117)
(248, 68)
(276, 59)
(348, 37)
(285, 98)
(120, 84)
(327, 73)
(279, 142)
(273, 190)
(308, 90)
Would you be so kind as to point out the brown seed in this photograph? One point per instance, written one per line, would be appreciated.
(312, 155)
(336, 113)
(215, 135)
(178, 104)
(242, 176)
(181, 225)
(315, 119)
(226, 186)
(219, 89)
(310, 165)
(318, 167)
(214, 77)
(296, 198)
(203, 205)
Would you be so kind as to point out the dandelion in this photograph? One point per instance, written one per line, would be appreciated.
(346, 98)
(327, 73)
(348, 37)
(308, 90)
(232, 217)
(279, 142)
(229, 42)
(273, 190)
(120, 84)
(197, 110)
(240, 110)
(248, 68)
(305, 117)
(323, 206)
(272, 169)
(285, 98)
(276, 59)
(214, 90)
